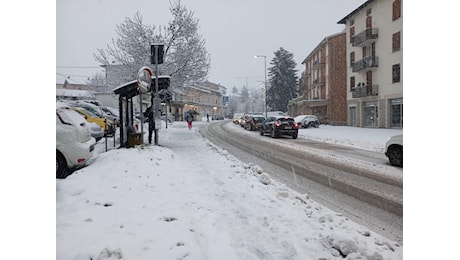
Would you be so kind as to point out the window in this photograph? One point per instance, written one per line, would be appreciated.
(352, 58)
(396, 113)
(352, 83)
(352, 33)
(396, 41)
(396, 73)
(352, 22)
(369, 11)
(369, 22)
(396, 9)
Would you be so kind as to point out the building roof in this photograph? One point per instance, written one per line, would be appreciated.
(321, 43)
(73, 93)
(344, 20)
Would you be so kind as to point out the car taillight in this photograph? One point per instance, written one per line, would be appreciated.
(296, 125)
(277, 123)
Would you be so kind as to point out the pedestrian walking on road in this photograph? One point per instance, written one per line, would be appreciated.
(189, 119)
(207, 118)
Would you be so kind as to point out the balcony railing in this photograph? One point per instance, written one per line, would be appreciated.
(366, 63)
(363, 37)
(365, 91)
(317, 63)
(318, 81)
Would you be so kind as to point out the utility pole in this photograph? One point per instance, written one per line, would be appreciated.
(156, 58)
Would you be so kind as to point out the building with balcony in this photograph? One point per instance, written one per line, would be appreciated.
(323, 90)
(374, 64)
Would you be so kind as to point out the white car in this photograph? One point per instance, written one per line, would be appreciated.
(74, 144)
(306, 121)
(394, 150)
(95, 130)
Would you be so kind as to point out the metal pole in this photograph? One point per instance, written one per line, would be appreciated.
(142, 118)
(265, 59)
(156, 93)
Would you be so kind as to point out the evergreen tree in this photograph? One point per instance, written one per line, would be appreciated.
(282, 80)
(244, 94)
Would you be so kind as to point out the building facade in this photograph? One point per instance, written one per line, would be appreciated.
(323, 92)
(206, 98)
(374, 33)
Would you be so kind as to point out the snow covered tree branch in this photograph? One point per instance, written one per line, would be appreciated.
(186, 59)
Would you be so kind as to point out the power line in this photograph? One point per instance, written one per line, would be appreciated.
(78, 67)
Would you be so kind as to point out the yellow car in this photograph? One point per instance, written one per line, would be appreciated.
(106, 124)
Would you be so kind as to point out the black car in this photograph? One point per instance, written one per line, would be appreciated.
(279, 126)
(253, 122)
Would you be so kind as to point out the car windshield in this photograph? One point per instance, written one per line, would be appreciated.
(258, 119)
(70, 117)
(91, 114)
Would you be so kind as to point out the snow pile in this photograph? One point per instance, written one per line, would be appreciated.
(188, 199)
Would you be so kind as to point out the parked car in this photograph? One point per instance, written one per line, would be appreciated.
(107, 124)
(95, 130)
(237, 118)
(243, 120)
(112, 114)
(394, 150)
(97, 110)
(306, 121)
(74, 144)
(218, 117)
(278, 126)
(254, 122)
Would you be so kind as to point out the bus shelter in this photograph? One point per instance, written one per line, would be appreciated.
(126, 93)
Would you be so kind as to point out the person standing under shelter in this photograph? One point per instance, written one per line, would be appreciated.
(189, 119)
(149, 114)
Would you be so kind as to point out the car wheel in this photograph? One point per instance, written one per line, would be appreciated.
(61, 166)
(294, 136)
(395, 155)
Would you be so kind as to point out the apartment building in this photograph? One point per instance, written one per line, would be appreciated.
(374, 33)
(324, 82)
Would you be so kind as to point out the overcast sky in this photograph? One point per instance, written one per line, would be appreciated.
(234, 30)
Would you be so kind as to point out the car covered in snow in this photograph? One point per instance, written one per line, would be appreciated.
(74, 144)
(306, 121)
(394, 150)
(95, 130)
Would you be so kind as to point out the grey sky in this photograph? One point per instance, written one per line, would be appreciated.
(234, 30)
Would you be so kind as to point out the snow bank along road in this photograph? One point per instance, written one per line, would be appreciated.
(363, 175)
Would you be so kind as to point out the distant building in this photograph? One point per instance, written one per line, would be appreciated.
(324, 83)
(206, 98)
(71, 91)
(374, 64)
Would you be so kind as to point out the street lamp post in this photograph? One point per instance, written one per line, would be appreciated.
(265, 82)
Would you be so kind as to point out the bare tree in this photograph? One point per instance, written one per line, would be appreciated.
(97, 83)
(185, 60)
(188, 61)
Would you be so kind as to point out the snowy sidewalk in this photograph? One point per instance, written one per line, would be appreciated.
(187, 199)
